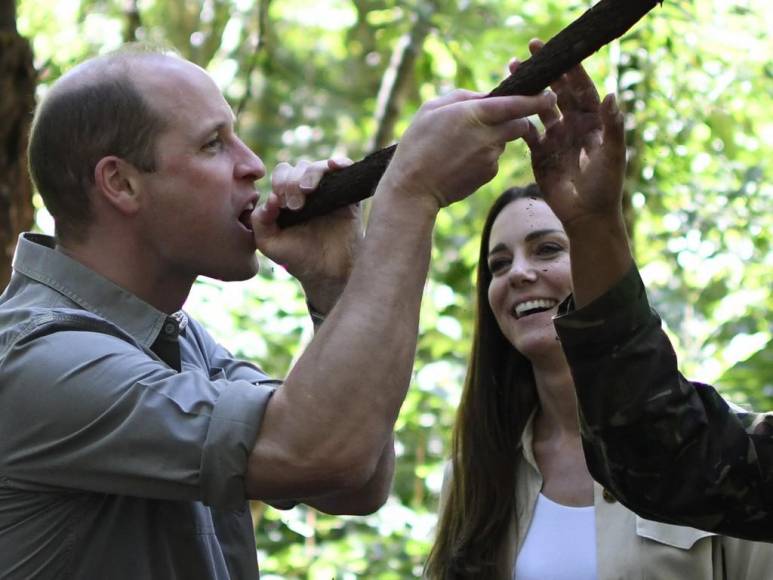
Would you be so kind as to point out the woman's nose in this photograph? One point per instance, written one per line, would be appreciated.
(522, 271)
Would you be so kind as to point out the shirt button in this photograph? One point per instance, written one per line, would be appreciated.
(608, 497)
(170, 328)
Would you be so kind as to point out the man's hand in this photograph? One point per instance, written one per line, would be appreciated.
(579, 162)
(454, 143)
(320, 253)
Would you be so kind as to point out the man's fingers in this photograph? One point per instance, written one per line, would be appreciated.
(455, 96)
(336, 163)
(279, 178)
(514, 129)
(264, 216)
(292, 184)
(497, 110)
(512, 66)
(551, 116)
(535, 45)
(310, 175)
(294, 193)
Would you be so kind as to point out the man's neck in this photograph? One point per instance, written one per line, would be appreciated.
(137, 273)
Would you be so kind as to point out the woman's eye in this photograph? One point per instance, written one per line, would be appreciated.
(549, 249)
(497, 266)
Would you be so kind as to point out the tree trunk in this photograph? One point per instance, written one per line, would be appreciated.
(133, 21)
(260, 40)
(397, 79)
(17, 87)
(605, 21)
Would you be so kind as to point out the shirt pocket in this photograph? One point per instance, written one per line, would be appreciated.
(680, 537)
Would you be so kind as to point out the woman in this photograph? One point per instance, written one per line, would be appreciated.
(521, 503)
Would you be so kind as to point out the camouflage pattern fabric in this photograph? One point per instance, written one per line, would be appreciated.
(667, 448)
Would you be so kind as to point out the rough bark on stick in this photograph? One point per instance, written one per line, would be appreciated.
(602, 23)
(17, 87)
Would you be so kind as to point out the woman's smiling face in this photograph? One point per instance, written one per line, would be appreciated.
(528, 258)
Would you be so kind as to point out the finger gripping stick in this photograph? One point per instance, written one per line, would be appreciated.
(596, 27)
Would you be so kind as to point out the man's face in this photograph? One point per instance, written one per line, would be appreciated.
(196, 205)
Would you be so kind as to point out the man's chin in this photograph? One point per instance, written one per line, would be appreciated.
(235, 274)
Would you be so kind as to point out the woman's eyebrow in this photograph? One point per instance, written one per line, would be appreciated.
(540, 233)
(498, 248)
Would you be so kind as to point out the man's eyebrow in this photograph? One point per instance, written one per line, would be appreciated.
(215, 127)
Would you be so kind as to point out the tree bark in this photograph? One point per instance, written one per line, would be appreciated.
(397, 77)
(602, 23)
(260, 41)
(133, 21)
(17, 87)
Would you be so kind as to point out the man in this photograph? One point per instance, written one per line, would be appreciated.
(130, 440)
(667, 448)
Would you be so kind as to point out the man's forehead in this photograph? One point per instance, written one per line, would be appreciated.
(167, 74)
(180, 89)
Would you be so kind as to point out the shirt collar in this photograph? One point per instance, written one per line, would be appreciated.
(527, 440)
(37, 259)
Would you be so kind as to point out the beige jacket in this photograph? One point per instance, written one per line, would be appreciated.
(629, 547)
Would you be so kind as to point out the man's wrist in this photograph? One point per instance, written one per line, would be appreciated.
(407, 197)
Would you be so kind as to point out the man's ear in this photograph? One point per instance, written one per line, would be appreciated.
(116, 184)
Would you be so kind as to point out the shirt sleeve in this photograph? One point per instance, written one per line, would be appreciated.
(88, 410)
(223, 362)
(669, 449)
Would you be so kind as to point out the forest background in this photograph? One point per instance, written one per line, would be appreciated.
(316, 79)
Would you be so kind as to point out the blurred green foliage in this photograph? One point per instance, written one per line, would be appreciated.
(695, 81)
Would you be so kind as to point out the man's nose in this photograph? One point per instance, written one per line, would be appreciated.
(249, 166)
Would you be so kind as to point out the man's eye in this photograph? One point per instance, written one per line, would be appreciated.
(213, 144)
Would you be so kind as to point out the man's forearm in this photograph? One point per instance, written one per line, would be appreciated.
(365, 499)
(326, 425)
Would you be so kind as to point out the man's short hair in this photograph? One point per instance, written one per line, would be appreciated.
(80, 123)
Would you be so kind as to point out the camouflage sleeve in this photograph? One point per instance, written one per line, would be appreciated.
(668, 449)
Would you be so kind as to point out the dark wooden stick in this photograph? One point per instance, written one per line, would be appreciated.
(602, 23)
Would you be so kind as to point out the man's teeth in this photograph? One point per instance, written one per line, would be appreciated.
(534, 305)
(245, 217)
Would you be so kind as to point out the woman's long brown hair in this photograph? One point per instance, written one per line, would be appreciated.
(498, 397)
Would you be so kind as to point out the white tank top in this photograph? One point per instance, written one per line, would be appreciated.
(560, 544)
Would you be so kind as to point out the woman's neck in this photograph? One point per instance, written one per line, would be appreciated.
(557, 445)
(557, 415)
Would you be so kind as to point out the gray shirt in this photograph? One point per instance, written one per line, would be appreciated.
(112, 464)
